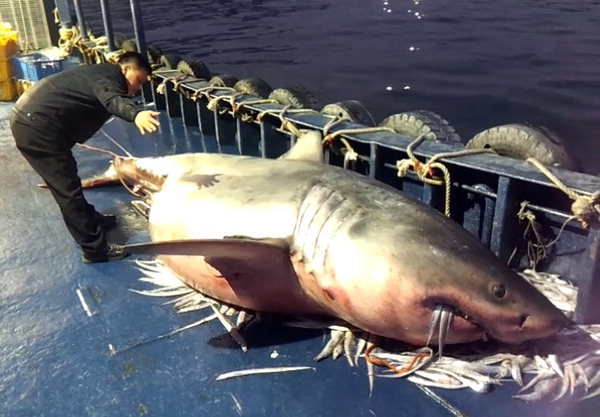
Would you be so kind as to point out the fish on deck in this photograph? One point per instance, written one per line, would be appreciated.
(295, 235)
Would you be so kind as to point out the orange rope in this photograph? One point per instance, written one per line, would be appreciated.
(383, 362)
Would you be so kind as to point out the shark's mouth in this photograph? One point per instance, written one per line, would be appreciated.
(449, 324)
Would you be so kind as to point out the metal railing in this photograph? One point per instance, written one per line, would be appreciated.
(487, 190)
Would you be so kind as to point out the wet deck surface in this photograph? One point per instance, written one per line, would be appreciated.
(55, 359)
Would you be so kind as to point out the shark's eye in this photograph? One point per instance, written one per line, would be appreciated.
(499, 291)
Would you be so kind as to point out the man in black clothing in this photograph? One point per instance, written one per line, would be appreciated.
(68, 108)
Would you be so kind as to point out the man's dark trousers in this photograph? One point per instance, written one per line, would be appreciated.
(49, 154)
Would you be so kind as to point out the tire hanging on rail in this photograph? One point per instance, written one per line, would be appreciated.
(352, 110)
(253, 86)
(195, 69)
(419, 122)
(520, 141)
(297, 97)
(169, 61)
(118, 40)
(129, 45)
(223, 80)
(154, 54)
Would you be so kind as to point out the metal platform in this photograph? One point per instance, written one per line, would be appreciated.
(55, 358)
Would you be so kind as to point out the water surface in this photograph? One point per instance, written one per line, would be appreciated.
(477, 63)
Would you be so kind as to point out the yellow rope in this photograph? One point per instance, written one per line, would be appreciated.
(236, 106)
(213, 103)
(259, 101)
(334, 122)
(424, 171)
(160, 88)
(350, 155)
(585, 208)
(286, 124)
(205, 91)
(280, 113)
(332, 136)
(536, 248)
(179, 80)
(290, 127)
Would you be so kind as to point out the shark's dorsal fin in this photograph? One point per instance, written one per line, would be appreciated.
(308, 147)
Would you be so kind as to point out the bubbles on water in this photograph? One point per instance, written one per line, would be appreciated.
(415, 13)
(385, 8)
(390, 88)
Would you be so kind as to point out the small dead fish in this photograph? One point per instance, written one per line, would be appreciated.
(235, 335)
(260, 371)
(337, 338)
(542, 389)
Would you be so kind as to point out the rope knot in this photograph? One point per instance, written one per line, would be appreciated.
(423, 170)
(290, 127)
(403, 166)
(587, 208)
(328, 140)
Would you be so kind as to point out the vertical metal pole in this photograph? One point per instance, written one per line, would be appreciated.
(64, 12)
(588, 274)
(80, 19)
(140, 37)
(108, 31)
(138, 26)
(504, 226)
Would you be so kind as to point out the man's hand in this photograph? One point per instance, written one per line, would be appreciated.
(146, 121)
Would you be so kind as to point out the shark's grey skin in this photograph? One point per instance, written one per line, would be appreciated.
(298, 236)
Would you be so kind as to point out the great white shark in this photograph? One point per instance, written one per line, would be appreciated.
(294, 235)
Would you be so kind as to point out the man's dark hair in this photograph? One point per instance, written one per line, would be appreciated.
(136, 59)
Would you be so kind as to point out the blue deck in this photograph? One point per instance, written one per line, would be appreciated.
(55, 360)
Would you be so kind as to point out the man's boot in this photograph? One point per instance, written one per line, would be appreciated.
(111, 252)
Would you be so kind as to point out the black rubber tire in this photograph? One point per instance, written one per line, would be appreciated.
(154, 54)
(418, 122)
(118, 39)
(520, 141)
(129, 45)
(169, 61)
(350, 109)
(253, 86)
(296, 96)
(195, 69)
(223, 80)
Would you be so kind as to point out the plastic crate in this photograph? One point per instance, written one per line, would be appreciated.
(34, 67)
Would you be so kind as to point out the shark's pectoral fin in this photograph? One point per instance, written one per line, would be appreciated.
(281, 242)
(308, 147)
(232, 256)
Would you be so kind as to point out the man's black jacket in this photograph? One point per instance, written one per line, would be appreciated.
(73, 105)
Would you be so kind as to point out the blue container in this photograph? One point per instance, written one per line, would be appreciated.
(34, 67)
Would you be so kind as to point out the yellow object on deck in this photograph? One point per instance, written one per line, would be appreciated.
(9, 46)
(9, 41)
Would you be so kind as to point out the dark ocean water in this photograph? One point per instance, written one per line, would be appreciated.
(477, 63)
